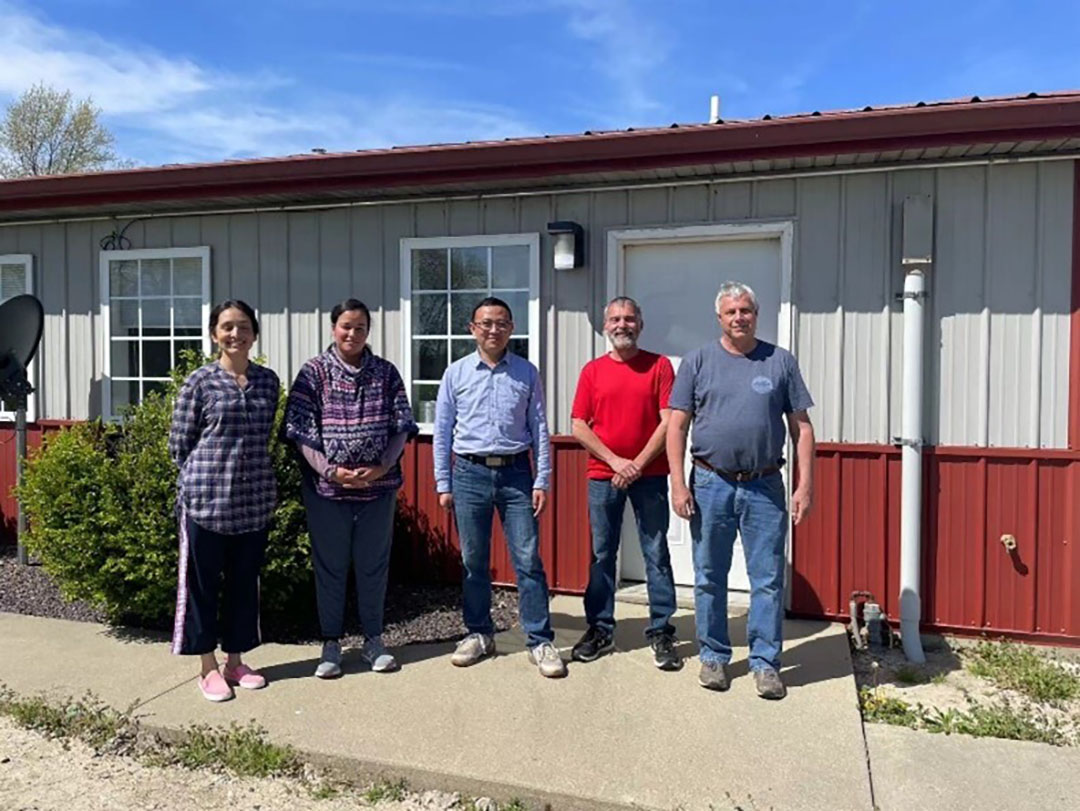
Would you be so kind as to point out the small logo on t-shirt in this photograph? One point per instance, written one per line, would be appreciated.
(761, 384)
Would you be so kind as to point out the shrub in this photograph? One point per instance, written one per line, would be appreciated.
(100, 500)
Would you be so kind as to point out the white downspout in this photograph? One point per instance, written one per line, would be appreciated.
(911, 468)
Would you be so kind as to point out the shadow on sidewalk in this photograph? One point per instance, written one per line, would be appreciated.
(352, 664)
(807, 658)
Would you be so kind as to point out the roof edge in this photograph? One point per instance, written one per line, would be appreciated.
(811, 135)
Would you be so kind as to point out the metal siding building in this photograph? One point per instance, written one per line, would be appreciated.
(1001, 349)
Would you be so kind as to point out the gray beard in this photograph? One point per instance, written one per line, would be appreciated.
(622, 341)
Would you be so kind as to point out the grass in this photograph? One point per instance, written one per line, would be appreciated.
(87, 719)
(997, 720)
(515, 804)
(386, 790)
(881, 708)
(1020, 668)
(242, 750)
(1000, 720)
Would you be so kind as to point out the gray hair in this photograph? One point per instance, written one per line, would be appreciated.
(626, 300)
(736, 290)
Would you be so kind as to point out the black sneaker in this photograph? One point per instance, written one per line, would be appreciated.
(591, 645)
(664, 654)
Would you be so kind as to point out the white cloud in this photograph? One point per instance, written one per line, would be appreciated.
(167, 109)
(629, 50)
(120, 80)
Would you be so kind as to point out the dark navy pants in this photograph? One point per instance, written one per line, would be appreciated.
(205, 557)
(344, 531)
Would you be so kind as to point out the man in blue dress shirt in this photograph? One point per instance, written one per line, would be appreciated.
(490, 412)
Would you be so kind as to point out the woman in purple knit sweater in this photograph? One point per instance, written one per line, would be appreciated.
(349, 415)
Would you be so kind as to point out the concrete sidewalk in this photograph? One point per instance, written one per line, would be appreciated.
(615, 733)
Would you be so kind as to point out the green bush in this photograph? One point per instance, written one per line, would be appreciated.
(100, 499)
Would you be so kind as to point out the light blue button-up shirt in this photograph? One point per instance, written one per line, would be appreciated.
(488, 410)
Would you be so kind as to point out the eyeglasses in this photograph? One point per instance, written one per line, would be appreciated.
(487, 325)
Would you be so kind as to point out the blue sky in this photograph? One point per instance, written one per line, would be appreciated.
(199, 80)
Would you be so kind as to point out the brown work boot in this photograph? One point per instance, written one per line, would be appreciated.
(769, 685)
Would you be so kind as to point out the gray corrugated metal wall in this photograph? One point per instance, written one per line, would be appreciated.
(997, 358)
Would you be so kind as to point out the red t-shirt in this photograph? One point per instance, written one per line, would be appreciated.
(621, 402)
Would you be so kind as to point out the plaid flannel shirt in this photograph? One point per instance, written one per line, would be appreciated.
(219, 439)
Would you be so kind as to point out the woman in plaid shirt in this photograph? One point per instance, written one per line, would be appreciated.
(219, 440)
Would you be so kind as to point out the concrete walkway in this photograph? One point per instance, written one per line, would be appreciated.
(615, 733)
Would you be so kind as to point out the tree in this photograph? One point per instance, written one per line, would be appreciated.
(45, 132)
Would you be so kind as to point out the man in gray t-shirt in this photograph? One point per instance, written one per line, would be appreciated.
(739, 392)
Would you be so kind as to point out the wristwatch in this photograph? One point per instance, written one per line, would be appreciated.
(328, 474)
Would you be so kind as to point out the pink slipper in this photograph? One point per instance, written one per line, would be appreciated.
(243, 676)
(214, 687)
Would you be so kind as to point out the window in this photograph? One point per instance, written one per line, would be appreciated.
(17, 278)
(442, 280)
(155, 303)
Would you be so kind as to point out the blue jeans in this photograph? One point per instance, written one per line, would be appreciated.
(758, 511)
(649, 498)
(478, 492)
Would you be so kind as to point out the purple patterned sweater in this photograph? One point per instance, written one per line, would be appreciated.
(349, 415)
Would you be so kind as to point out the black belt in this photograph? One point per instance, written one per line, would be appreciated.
(494, 459)
(738, 476)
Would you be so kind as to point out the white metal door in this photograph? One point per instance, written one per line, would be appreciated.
(675, 282)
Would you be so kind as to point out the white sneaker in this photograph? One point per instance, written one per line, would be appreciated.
(330, 664)
(547, 659)
(472, 649)
(376, 655)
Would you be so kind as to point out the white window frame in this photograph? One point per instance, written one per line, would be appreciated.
(27, 261)
(410, 244)
(202, 253)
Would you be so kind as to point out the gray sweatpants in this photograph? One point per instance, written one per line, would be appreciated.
(344, 531)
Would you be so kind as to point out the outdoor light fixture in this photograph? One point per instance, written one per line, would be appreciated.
(569, 244)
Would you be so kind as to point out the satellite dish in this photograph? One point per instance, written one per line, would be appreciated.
(21, 322)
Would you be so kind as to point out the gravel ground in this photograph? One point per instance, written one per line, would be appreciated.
(413, 613)
(38, 774)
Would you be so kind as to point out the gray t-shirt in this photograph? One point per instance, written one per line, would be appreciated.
(738, 403)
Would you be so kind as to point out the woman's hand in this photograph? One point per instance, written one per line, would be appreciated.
(366, 476)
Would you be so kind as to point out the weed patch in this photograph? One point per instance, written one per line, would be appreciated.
(101, 728)
(1001, 720)
(881, 708)
(997, 720)
(1020, 668)
(242, 750)
(386, 790)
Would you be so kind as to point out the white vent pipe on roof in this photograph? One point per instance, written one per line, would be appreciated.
(714, 109)
(917, 249)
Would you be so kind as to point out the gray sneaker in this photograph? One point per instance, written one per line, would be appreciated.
(330, 664)
(472, 649)
(769, 684)
(376, 655)
(546, 657)
(713, 676)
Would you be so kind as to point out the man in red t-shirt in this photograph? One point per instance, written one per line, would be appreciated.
(620, 415)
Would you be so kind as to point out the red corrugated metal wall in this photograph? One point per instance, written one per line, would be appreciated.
(972, 497)
(564, 525)
(851, 541)
(9, 508)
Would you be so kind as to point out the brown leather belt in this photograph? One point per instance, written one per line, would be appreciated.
(738, 476)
